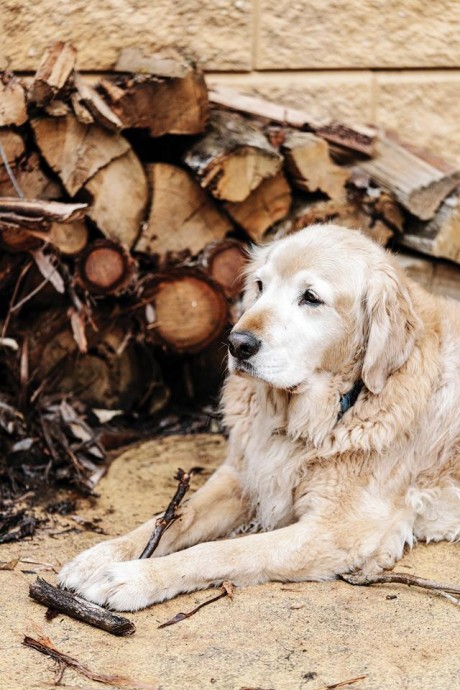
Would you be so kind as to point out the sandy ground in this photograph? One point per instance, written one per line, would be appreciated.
(280, 637)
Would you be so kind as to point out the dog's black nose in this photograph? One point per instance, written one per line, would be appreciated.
(243, 344)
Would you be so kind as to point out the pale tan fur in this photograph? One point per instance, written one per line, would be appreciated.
(328, 494)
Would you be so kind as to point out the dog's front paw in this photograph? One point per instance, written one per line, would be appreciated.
(128, 586)
(75, 574)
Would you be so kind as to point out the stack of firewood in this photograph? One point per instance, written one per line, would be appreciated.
(126, 206)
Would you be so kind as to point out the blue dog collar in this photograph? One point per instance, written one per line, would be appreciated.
(349, 399)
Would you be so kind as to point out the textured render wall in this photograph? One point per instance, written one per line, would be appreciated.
(393, 63)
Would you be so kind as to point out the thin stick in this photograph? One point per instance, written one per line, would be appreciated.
(45, 646)
(228, 592)
(444, 589)
(11, 174)
(170, 515)
(342, 683)
(76, 607)
(24, 271)
(29, 296)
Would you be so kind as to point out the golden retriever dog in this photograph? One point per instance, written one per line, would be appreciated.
(343, 410)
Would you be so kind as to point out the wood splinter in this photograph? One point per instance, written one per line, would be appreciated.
(77, 607)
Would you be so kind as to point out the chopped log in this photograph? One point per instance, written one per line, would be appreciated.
(426, 155)
(37, 214)
(87, 97)
(311, 168)
(57, 108)
(310, 212)
(119, 194)
(437, 276)
(350, 215)
(82, 113)
(75, 151)
(233, 157)
(360, 139)
(17, 240)
(13, 109)
(440, 236)
(53, 72)
(31, 179)
(184, 309)
(105, 268)
(181, 216)
(116, 373)
(266, 205)
(10, 268)
(68, 238)
(224, 261)
(172, 101)
(76, 607)
(388, 210)
(13, 149)
(416, 184)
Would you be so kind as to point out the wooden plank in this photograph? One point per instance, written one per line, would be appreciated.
(360, 139)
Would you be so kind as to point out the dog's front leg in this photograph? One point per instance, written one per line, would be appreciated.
(213, 511)
(295, 553)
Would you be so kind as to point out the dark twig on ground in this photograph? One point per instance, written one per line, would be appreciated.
(228, 592)
(170, 515)
(45, 646)
(450, 592)
(82, 610)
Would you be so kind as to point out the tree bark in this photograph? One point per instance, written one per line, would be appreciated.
(76, 607)
(172, 99)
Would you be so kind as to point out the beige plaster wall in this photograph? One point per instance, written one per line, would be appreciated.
(393, 63)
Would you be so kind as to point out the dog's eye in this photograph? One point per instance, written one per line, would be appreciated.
(311, 298)
(259, 286)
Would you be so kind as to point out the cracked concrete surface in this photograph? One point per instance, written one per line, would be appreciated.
(275, 636)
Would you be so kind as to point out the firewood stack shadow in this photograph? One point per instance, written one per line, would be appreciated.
(126, 210)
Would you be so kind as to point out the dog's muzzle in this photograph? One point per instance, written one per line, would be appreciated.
(243, 344)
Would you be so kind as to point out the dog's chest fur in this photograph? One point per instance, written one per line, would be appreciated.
(271, 465)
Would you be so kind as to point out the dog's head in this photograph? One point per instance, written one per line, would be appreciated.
(326, 299)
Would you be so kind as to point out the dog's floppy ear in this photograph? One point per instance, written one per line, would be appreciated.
(392, 327)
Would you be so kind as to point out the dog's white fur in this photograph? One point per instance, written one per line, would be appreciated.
(330, 494)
